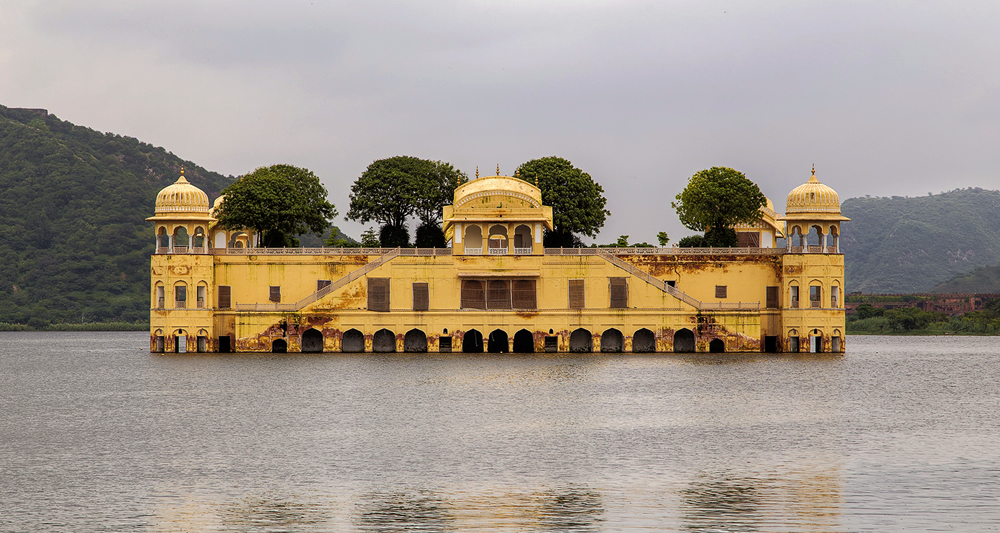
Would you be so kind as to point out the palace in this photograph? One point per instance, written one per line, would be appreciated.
(496, 288)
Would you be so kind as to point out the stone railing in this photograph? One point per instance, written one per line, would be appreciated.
(522, 251)
(652, 250)
(331, 251)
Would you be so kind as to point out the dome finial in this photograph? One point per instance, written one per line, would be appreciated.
(498, 169)
(477, 171)
(812, 179)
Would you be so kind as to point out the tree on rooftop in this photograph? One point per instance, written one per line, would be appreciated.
(278, 202)
(391, 190)
(577, 200)
(717, 199)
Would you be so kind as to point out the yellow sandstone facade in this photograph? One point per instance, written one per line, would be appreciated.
(496, 288)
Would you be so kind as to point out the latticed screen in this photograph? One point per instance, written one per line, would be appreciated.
(499, 295)
(524, 294)
(772, 298)
(619, 293)
(225, 296)
(576, 294)
(378, 294)
(721, 291)
(421, 296)
(473, 295)
(748, 239)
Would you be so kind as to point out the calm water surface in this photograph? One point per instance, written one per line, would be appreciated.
(96, 434)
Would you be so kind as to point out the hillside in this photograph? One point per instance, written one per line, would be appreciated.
(74, 245)
(911, 245)
(980, 281)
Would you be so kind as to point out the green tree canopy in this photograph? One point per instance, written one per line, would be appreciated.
(577, 200)
(717, 199)
(391, 190)
(278, 202)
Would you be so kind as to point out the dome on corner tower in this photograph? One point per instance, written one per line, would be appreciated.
(812, 197)
(181, 197)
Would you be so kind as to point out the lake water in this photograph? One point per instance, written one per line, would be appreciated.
(96, 434)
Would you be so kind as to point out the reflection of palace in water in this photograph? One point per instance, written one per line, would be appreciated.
(496, 288)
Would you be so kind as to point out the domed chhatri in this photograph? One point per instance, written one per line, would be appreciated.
(813, 197)
(181, 197)
(513, 188)
(497, 215)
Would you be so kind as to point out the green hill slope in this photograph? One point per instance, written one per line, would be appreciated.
(909, 245)
(983, 280)
(74, 245)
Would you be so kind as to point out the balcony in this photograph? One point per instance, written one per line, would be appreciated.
(522, 251)
(474, 251)
(498, 251)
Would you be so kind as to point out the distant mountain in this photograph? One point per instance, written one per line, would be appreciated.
(911, 245)
(74, 245)
(983, 280)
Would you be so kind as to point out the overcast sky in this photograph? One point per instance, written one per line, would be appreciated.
(885, 97)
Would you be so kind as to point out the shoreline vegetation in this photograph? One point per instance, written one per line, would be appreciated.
(870, 320)
(85, 326)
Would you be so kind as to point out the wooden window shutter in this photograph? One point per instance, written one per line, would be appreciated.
(721, 291)
(421, 296)
(378, 294)
(524, 294)
(772, 298)
(619, 293)
(275, 295)
(499, 295)
(473, 295)
(225, 296)
(576, 294)
(748, 239)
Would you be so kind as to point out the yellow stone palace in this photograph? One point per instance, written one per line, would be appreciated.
(496, 288)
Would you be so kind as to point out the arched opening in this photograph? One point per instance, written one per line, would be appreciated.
(612, 341)
(816, 341)
(279, 346)
(793, 341)
(239, 240)
(312, 341)
(833, 241)
(815, 295)
(220, 239)
(524, 342)
(717, 346)
(795, 239)
(522, 239)
(793, 296)
(180, 341)
(353, 341)
(201, 293)
(180, 295)
(199, 238)
(384, 341)
(644, 341)
(498, 342)
(835, 345)
(202, 341)
(162, 239)
(474, 240)
(415, 341)
(159, 299)
(683, 341)
(581, 341)
(180, 239)
(160, 345)
(815, 239)
(498, 239)
(472, 342)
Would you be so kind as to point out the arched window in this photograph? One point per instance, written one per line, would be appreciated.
(180, 239)
(199, 238)
(159, 297)
(793, 295)
(162, 240)
(498, 240)
(815, 294)
(180, 295)
(202, 295)
(473, 240)
(220, 239)
(522, 240)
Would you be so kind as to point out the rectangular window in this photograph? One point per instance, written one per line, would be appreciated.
(551, 344)
(524, 294)
(835, 297)
(721, 291)
(498, 294)
(275, 293)
(444, 344)
(473, 294)
(793, 300)
(421, 296)
(619, 293)
(672, 283)
(322, 283)
(576, 294)
(815, 296)
(378, 294)
(201, 296)
(225, 296)
(180, 297)
(772, 298)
